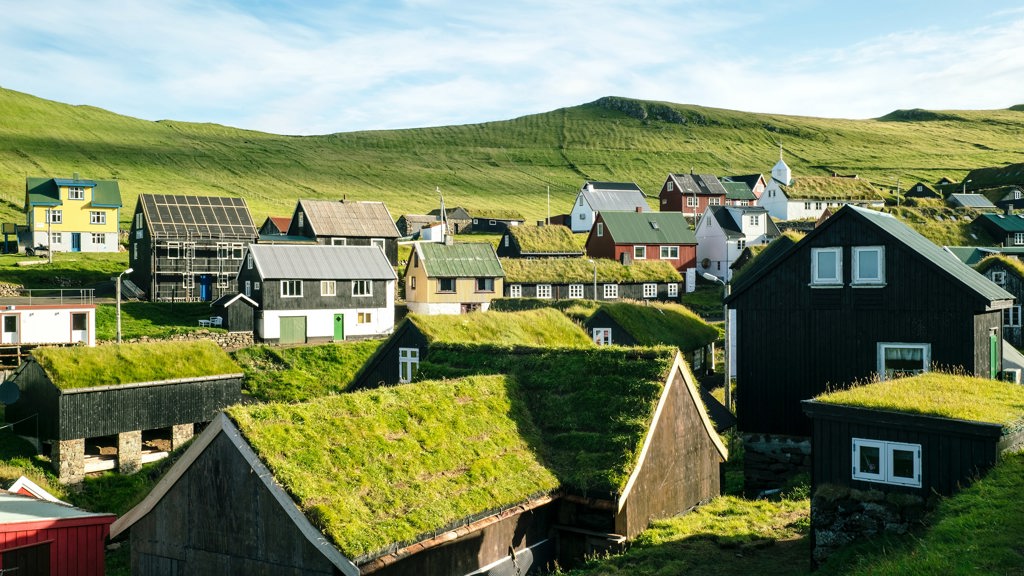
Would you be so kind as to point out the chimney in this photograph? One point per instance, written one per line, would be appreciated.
(639, 209)
(74, 175)
(343, 198)
(1009, 209)
(449, 240)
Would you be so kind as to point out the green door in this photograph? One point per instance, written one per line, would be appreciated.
(293, 330)
(993, 354)
(339, 327)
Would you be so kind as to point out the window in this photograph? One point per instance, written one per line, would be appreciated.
(248, 288)
(817, 205)
(600, 229)
(491, 222)
(378, 242)
(755, 220)
(223, 281)
(664, 201)
(505, 240)
(1016, 194)
(55, 238)
(611, 291)
(337, 241)
(887, 462)
(1018, 237)
(256, 286)
(670, 252)
(999, 277)
(476, 221)
(826, 266)
(291, 288)
(446, 284)
(248, 263)
(328, 288)
(1011, 317)
(807, 205)
(100, 239)
(412, 282)
(583, 216)
(515, 291)
(639, 252)
(650, 290)
(576, 291)
(362, 288)
(485, 284)
(543, 290)
(869, 265)
(174, 251)
(76, 193)
(579, 200)
(302, 220)
(135, 251)
(673, 289)
(364, 318)
(602, 336)
(691, 201)
(670, 186)
(223, 251)
(56, 216)
(97, 217)
(741, 244)
(716, 201)
(237, 249)
(138, 220)
(896, 359)
(408, 362)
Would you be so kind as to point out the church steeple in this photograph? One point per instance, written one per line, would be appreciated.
(781, 171)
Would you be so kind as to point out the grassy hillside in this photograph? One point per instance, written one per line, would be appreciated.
(495, 165)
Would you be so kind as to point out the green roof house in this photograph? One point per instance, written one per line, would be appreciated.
(452, 278)
(72, 214)
(637, 235)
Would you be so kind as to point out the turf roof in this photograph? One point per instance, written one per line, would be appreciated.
(827, 187)
(656, 323)
(495, 214)
(939, 394)
(581, 270)
(545, 239)
(384, 467)
(114, 364)
(1011, 263)
(541, 327)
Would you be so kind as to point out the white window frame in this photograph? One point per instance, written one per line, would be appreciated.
(926, 355)
(670, 186)
(611, 291)
(714, 201)
(669, 253)
(576, 291)
(601, 336)
(328, 287)
(691, 202)
(673, 289)
(886, 451)
(650, 290)
(362, 288)
(97, 217)
(291, 288)
(1018, 238)
(639, 252)
(858, 280)
(755, 220)
(99, 238)
(173, 250)
(56, 216)
(600, 229)
(816, 279)
(378, 242)
(237, 250)
(223, 281)
(301, 220)
(256, 285)
(338, 242)
(223, 251)
(1011, 317)
(999, 277)
(138, 220)
(408, 363)
(515, 291)
(56, 238)
(544, 291)
(76, 193)
(741, 244)
(248, 263)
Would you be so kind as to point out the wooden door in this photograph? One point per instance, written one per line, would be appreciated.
(339, 327)
(293, 330)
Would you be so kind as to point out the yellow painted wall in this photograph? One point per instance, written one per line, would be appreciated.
(465, 288)
(75, 214)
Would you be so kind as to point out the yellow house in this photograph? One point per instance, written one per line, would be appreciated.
(452, 278)
(72, 214)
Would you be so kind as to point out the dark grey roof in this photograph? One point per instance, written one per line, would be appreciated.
(321, 262)
(177, 216)
(620, 186)
(616, 200)
(726, 219)
(749, 179)
(976, 201)
(353, 219)
(707, 184)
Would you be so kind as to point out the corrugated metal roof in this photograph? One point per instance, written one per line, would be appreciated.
(738, 191)
(359, 219)
(648, 227)
(321, 262)
(1006, 223)
(46, 191)
(459, 260)
(16, 508)
(616, 200)
(613, 186)
(971, 200)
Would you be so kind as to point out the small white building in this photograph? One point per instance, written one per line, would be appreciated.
(724, 231)
(596, 197)
(48, 324)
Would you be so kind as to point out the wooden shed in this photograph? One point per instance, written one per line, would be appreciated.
(40, 537)
(486, 502)
(141, 399)
(237, 312)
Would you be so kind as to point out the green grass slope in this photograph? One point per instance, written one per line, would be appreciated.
(497, 165)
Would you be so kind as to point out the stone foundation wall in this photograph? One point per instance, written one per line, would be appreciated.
(841, 515)
(129, 452)
(226, 340)
(181, 433)
(770, 461)
(68, 458)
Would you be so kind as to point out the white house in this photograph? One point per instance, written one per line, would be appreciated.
(597, 197)
(48, 324)
(724, 231)
(807, 197)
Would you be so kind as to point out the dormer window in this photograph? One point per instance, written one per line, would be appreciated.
(76, 193)
(827, 266)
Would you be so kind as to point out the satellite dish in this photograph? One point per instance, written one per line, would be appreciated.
(705, 263)
(9, 393)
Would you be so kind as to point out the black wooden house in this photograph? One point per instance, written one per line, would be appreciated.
(188, 248)
(346, 223)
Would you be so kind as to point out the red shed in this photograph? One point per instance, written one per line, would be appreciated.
(39, 537)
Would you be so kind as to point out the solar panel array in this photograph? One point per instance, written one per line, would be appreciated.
(174, 216)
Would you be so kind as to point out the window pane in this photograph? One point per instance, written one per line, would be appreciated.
(827, 265)
(903, 464)
(867, 264)
(869, 460)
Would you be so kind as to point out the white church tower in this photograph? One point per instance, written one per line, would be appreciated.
(781, 171)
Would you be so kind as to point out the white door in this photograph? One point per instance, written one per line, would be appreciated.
(10, 329)
(79, 327)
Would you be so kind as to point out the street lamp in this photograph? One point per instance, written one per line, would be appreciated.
(592, 261)
(965, 185)
(118, 296)
(727, 372)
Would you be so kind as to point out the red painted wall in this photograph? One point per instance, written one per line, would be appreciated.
(687, 254)
(76, 544)
(675, 202)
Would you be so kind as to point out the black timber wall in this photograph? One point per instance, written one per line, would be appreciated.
(1013, 284)
(793, 341)
(953, 452)
(269, 295)
(601, 319)
(219, 518)
(626, 291)
(382, 368)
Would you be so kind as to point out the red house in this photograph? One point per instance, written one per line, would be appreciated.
(690, 194)
(631, 236)
(50, 538)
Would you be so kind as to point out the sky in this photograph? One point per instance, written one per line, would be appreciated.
(322, 66)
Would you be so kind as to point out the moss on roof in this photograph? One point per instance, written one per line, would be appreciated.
(495, 214)
(381, 467)
(544, 239)
(657, 323)
(580, 270)
(115, 364)
(828, 187)
(541, 327)
(939, 394)
(1009, 262)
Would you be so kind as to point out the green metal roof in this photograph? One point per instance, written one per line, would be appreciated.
(738, 191)
(46, 192)
(648, 227)
(1011, 223)
(460, 260)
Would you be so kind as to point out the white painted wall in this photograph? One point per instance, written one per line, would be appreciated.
(109, 245)
(582, 217)
(39, 324)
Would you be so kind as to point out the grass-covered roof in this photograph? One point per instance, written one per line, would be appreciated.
(540, 327)
(581, 270)
(546, 239)
(1009, 262)
(938, 394)
(379, 468)
(495, 213)
(657, 323)
(115, 364)
(831, 188)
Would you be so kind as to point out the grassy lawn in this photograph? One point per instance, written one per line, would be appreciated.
(69, 269)
(706, 300)
(274, 374)
(151, 319)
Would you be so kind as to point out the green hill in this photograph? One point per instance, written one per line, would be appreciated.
(506, 164)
